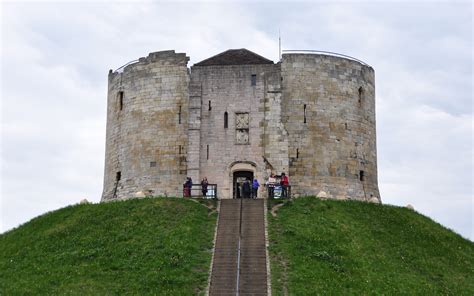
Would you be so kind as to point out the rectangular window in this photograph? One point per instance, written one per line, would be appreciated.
(153, 164)
(207, 157)
(254, 80)
(118, 176)
(210, 107)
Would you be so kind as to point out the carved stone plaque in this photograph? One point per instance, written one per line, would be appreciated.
(241, 120)
(242, 136)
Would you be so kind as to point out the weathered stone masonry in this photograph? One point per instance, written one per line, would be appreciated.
(311, 116)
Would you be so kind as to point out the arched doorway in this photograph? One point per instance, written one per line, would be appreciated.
(239, 171)
(238, 179)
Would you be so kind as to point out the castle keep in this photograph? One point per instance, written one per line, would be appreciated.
(237, 115)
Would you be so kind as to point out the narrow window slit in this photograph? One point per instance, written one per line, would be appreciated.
(297, 153)
(120, 100)
(226, 120)
(179, 115)
(361, 94)
(118, 176)
(304, 113)
(361, 176)
(207, 157)
(210, 107)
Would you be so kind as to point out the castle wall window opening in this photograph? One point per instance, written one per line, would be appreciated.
(179, 115)
(118, 176)
(361, 95)
(304, 113)
(210, 107)
(226, 120)
(253, 80)
(120, 100)
(361, 176)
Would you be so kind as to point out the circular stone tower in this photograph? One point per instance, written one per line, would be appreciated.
(147, 115)
(328, 110)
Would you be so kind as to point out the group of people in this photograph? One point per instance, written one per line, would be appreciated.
(251, 189)
(188, 184)
(272, 183)
(248, 189)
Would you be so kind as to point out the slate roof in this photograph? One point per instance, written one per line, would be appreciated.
(235, 57)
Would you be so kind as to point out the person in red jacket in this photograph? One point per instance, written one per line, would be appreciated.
(284, 182)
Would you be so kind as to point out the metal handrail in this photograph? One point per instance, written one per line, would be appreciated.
(276, 191)
(325, 52)
(129, 63)
(196, 191)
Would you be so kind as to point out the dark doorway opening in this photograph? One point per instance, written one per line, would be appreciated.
(238, 180)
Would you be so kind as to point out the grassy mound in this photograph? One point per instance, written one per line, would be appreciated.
(354, 248)
(148, 246)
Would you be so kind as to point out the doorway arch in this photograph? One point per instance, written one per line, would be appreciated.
(238, 171)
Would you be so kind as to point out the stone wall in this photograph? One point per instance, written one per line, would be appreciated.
(310, 116)
(275, 134)
(329, 113)
(147, 122)
(228, 89)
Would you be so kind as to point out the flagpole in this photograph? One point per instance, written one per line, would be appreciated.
(279, 44)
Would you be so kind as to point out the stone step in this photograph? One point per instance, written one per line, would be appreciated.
(240, 219)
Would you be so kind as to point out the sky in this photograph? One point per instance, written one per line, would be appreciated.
(55, 57)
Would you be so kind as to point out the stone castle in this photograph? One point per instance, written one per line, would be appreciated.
(238, 114)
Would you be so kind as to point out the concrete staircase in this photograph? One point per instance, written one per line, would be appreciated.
(239, 263)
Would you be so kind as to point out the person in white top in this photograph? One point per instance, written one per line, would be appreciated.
(271, 185)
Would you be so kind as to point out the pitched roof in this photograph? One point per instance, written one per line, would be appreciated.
(235, 57)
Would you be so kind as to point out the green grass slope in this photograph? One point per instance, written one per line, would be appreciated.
(355, 248)
(148, 246)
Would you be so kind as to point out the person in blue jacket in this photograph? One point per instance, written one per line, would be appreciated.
(255, 186)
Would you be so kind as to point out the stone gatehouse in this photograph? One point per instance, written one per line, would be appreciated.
(238, 114)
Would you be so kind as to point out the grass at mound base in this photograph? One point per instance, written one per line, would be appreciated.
(327, 247)
(158, 246)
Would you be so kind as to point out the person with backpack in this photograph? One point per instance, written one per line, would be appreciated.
(255, 186)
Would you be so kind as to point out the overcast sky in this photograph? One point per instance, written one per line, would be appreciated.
(55, 57)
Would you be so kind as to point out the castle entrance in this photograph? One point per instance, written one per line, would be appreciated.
(238, 179)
